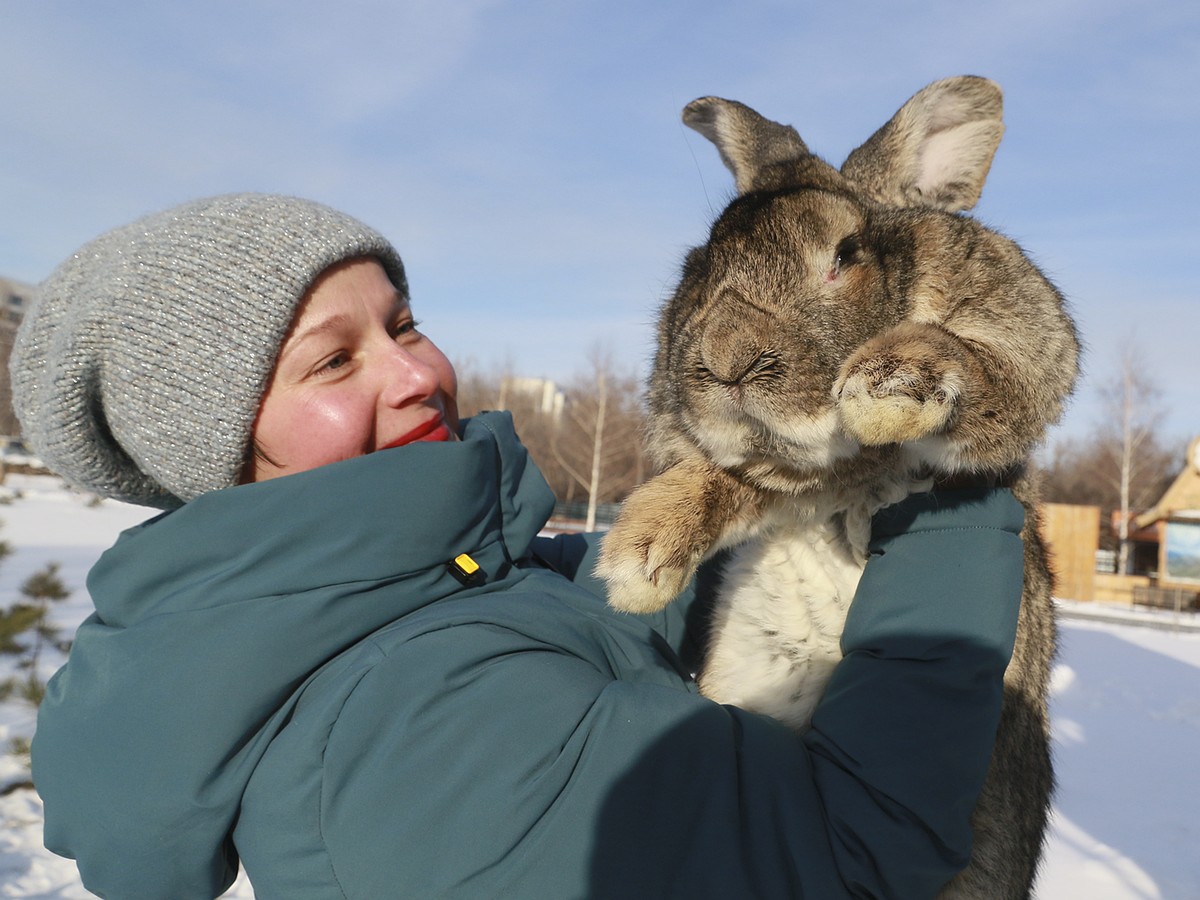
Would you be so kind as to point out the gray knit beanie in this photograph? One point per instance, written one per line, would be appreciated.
(138, 370)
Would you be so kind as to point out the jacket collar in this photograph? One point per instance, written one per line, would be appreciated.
(397, 514)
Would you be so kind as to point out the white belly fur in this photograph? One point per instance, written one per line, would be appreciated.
(778, 619)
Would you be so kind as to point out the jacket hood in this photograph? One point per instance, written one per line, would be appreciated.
(208, 618)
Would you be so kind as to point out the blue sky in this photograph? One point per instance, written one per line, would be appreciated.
(528, 161)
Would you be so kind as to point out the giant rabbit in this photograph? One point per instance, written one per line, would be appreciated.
(843, 337)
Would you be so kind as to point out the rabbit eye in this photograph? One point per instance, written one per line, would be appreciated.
(847, 253)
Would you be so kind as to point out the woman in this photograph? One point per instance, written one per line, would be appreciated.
(344, 656)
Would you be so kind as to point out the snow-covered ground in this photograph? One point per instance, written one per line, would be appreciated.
(1126, 712)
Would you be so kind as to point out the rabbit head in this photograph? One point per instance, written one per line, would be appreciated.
(788, 347)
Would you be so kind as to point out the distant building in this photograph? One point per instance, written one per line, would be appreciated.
(1166, 539)
(539, 393)
(14, 298)
(1175, 523)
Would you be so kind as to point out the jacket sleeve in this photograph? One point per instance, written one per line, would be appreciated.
(683, 623)
(529, 770)
(903, 736)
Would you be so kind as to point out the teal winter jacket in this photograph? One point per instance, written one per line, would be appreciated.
(294, 674)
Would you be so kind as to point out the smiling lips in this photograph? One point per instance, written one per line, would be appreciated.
(435, 429)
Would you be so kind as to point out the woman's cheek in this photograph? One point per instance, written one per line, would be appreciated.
(329, 426)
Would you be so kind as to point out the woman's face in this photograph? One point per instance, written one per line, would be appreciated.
(353, 376)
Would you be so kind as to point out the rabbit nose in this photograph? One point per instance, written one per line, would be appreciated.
(732, 360)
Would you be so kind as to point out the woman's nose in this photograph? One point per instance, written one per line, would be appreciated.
(406, 375)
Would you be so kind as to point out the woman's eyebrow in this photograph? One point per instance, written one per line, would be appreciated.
(336, 323)
(331, 324)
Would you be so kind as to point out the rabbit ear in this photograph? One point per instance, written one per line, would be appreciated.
(748, 143)
(936, 151)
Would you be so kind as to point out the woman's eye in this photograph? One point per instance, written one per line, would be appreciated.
(408, 326)
(334, 363)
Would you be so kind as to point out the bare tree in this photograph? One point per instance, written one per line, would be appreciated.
(1134, 404)
(482, 387)
(1124, 464)
(599, 445)
(584, 435)
(589, 418)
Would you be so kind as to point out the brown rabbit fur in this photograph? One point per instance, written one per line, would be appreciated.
(843, 337)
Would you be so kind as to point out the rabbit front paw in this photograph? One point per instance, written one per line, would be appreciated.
(666, 527)
(889, 398)
(644, 568)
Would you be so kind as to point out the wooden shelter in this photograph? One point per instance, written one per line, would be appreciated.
(1072, 534)
(1176, 521)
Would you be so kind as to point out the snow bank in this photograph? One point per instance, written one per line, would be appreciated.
(1125, 706)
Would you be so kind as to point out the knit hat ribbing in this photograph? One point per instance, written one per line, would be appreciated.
(138, 370)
